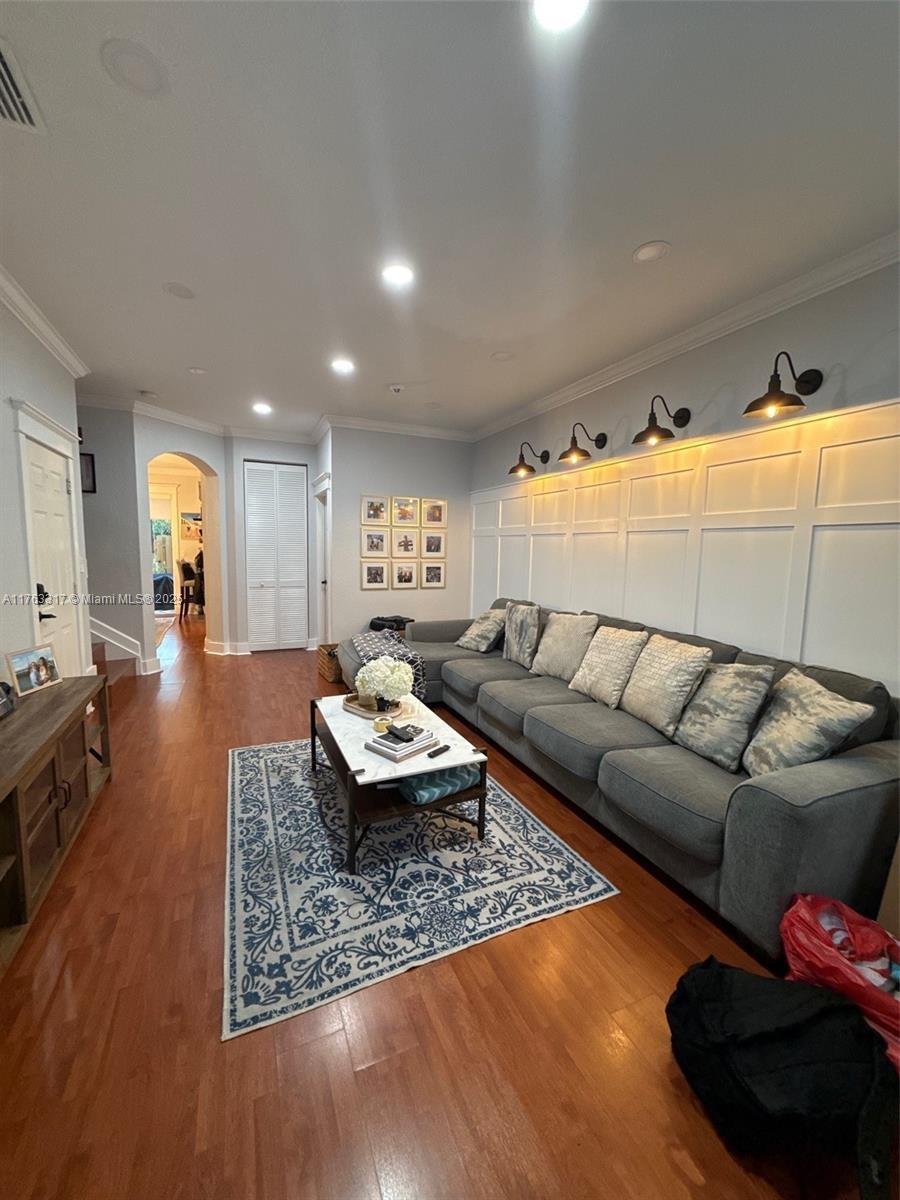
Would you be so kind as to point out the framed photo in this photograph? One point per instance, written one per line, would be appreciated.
(404, 574)
(374, 510)
(374, 576)
(404, 543)
(88, 474)
(434, 544)
(404, 510)
(434, 574)
(191, 527)
(33, 669)
(434, 513)
(373, 543)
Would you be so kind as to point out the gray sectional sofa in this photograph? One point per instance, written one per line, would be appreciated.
(742, 845)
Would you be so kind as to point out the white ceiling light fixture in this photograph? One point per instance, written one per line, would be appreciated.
(180, 290)
(398, 276)
(651, 252)
(343, 366)
(263, 407)
(132, 66)
(558, 15)
(196, 370)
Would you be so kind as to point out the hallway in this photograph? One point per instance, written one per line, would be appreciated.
(508, 1070)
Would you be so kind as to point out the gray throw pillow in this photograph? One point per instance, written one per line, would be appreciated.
(663, 680)
(803, 723)
(485, 631)
(607, 666)
(564, 644)
(717, 721)
(523, 629)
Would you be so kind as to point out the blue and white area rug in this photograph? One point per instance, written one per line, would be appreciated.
(300, 931)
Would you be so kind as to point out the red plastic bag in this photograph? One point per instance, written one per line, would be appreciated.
(814, 957)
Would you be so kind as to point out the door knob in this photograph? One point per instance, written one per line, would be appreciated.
(46, 616)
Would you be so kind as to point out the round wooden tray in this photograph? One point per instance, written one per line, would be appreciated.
(367, 708)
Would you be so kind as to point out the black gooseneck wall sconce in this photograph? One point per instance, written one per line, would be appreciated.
(778, 403)
(522, 468)
(657, 433)
(575, 454)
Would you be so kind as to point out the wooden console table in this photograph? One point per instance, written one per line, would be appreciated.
(54, 760)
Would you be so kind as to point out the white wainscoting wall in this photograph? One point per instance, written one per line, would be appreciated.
(784, 539)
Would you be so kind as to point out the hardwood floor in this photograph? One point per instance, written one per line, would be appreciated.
(536, 1065)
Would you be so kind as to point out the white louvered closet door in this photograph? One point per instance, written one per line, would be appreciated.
(277, 583)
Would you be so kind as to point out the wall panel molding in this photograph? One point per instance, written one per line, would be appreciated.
(784, 539)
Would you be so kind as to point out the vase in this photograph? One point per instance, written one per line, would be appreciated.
(383, 705)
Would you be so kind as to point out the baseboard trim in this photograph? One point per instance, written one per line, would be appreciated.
(222, 649)
(149, 666)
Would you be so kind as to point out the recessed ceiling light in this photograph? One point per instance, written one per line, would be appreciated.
(343, 366)
(181, 290)
(134, 67)
(502, 356)
(263, 407)
(196, 370)
(557, 15)
(651, 252)
(398, 276)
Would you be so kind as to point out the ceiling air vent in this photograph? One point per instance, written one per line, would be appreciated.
(17, 105)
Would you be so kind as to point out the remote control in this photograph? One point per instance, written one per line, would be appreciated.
(403, 732)
(438, 750)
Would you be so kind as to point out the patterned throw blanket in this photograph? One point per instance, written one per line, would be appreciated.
(373, 645)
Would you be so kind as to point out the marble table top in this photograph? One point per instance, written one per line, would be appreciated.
(352, 732)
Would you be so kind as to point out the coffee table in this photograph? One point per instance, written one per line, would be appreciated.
(367, 780)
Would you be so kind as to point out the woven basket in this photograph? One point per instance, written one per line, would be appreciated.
(329, 667)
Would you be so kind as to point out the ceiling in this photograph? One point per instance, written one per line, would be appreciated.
(299, 145)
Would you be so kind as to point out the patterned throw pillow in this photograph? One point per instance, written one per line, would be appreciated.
(564, 644)
(716, 723)
(523, 629)
(663, 680)
(608, 664)
(803, 723)
(485, 631)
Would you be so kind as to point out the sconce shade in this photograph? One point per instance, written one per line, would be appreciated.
(776, 402)
(655, 432)
(521, 467)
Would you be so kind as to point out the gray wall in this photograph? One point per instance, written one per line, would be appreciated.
(386, 464)
(111, 535)
(849, 333)
(27, 372)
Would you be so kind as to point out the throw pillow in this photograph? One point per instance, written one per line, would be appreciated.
(663, 680)
(803, 723)
(485, 631)
(564, 644)
(607, 666)
(523, 629)
(717, 721)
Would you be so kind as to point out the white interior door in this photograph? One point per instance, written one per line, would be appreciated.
(276, 547)
(52, 553)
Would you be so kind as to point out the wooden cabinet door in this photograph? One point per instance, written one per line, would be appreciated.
(41, 831)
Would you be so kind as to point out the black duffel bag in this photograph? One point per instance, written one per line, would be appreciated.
(398, 624)
(780, 1065)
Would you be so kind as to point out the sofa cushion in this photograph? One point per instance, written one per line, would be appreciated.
(485, 631)
(607, 666)
(663, 680)
(614, 622)
(803, 723)
(578, 737)
(681, 797)
(851, 687)
(523, 631)
(563, 645)
(435, 654)
(720, 715)
(507, 701)
(466, 675)
(722, 652)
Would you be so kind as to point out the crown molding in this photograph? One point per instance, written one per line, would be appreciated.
(270, 435)
(883, 252)
(398, 428)
(36, 322)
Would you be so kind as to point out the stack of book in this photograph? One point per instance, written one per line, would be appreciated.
(389, 746)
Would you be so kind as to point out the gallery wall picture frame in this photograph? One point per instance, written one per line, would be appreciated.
(404, 510)
(374, 510)
(404, 543)
(434, 543)
(373, 543)
(373, 575)
(404, 575)
(88, 473)
(434, 514)
(434, 575)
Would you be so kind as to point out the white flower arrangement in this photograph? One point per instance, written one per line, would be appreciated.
(385, 677)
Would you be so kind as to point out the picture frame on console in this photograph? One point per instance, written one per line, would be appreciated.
(33, 669)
